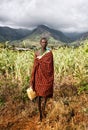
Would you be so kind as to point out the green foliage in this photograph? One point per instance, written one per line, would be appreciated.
(70, 61)
(17, 66)
(2, 101)
(83, 87)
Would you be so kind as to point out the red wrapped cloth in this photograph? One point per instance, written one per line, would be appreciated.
(42, 76)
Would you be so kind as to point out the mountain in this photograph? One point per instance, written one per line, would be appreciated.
(84, 36)
(73, 35)
(10, 34)
(51, 34)
(80, 39)
(77, 36)
(26, 38)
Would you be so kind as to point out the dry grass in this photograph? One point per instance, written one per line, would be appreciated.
(68, 111)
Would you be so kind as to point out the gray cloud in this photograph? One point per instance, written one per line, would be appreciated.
(64, 15)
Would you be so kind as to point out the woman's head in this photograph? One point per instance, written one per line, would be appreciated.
(43, 42)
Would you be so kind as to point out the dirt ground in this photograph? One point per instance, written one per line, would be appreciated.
(66, 111)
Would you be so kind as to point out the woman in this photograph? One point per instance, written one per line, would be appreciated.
(43, 75)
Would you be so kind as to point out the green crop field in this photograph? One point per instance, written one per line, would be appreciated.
(17, 65)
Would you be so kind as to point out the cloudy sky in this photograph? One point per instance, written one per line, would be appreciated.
(64, 15)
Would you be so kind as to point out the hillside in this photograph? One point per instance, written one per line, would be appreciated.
(44, 31)
(10, 34)
(54, 37)
(31, 38)
(73, 35)
(84, 36)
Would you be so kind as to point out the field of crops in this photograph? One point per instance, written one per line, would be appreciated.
(17, 65)
(69, 108)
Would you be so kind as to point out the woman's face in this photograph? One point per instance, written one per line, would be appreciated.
(43, 43)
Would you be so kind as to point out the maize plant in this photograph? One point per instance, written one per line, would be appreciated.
(67, 61)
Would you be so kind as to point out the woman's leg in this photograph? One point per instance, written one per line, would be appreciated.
(45, 101)
(44, 105)
(39, 107)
